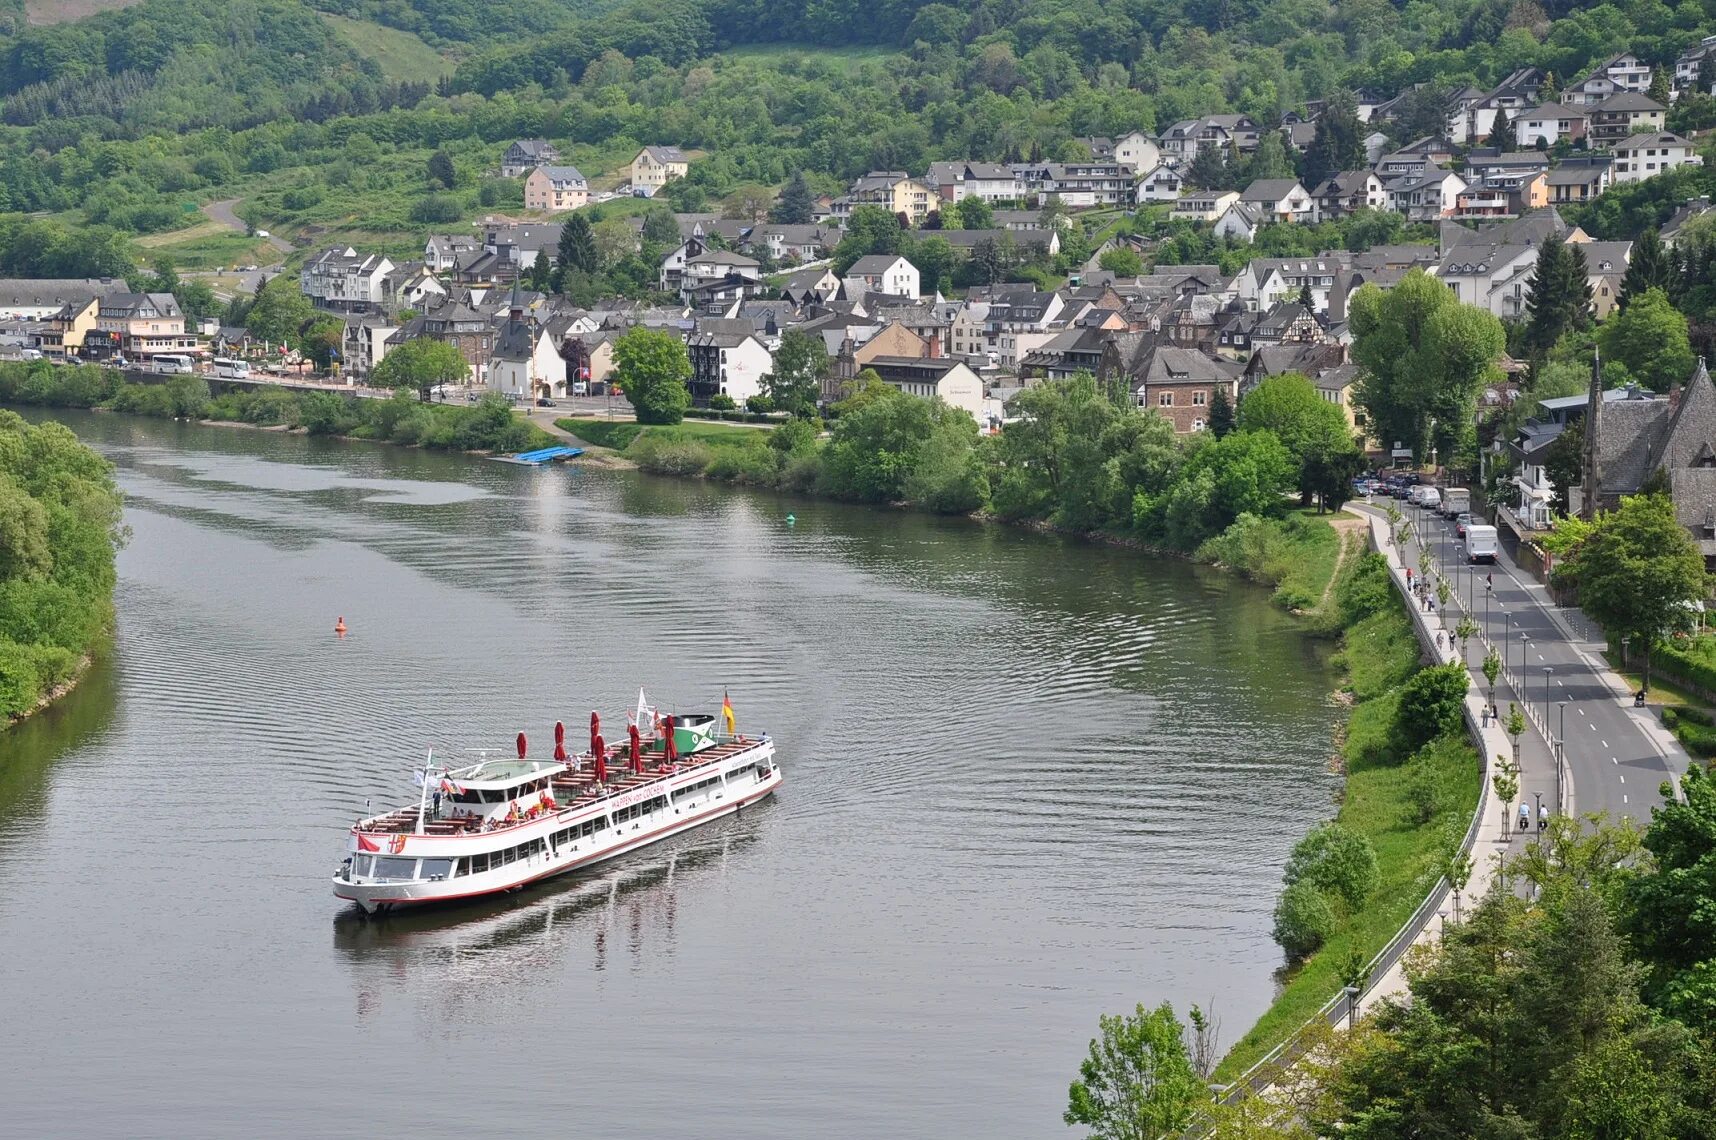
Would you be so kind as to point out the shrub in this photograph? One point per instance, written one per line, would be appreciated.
(721, 402)
(802, 473)
(1430, 707)
(1304, 920)
(1366, 591)
(760, 405)
(755, 466)
(1335, 861)
(670, 455)
(20, 683)
(435, 208)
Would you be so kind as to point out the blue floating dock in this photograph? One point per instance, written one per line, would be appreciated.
(545, 455)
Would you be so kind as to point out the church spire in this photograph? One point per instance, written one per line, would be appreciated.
(1593, 480)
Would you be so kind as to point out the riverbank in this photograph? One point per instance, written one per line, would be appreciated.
(1315, 567)
(487, 426)
(1412, 813)
(59, 529)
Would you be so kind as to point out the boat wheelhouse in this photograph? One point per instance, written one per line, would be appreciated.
(498, 824)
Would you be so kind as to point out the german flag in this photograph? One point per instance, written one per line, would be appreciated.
(727, 713)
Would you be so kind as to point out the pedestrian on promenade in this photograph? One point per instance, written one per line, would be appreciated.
(1484, 714)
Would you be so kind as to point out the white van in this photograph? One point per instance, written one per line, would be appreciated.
(1480, 543)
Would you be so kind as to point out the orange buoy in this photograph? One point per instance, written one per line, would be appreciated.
(340, 627)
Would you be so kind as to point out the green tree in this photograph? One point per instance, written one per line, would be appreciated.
(1122, 261)
(1564, 464)
(933, 257)
(795, 381)
(1138, 1082)
(1304, 920)
(1659, 86)
(421, 364)
(869, 229)
(1671, 908)
(577, 248)
(652, 368)
(280, 313)
(1430, 707)
(1649, 337)
(1222, 420)
(659, 228)
(1313, 430)
(322, 339)
(1269, 160)
(797, 206)
(1338, 143)
(1492, 669)
(1424, 357)
(974, 213)
(1560, 294)
(1650, 266)
(540, 275)
(440, 169)
(1336, 861)
(1502, 134)
(1639, 572)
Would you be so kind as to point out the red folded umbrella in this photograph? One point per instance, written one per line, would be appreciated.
(521, 746)
(559, 732)
(637, 751)
(560, 751)
(599, 749)
(595, 730)
(667, 737)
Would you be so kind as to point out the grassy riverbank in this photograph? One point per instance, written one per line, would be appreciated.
(1384, 800)
(489, 425)
(59, 528)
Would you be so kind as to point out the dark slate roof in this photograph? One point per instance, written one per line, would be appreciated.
(1632, 430)
(1269, 190)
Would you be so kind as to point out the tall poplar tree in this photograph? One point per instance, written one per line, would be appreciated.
(577, 247)
(1560, 295)
(1338, 143)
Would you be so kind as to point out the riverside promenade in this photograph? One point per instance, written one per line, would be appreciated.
(1496, 837)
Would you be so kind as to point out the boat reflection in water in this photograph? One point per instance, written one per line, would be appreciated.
(461, 955)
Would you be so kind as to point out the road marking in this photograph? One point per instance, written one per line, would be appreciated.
(1624, 799)
(1560, 682)
(1612, 760)
(1623, 779)
(1605, 744)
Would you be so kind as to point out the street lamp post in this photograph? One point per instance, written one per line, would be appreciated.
(1548, 673)
(1539, 797)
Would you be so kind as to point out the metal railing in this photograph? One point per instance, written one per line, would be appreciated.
(1262, 1073)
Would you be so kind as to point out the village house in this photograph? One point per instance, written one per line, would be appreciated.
(38, 299)
(934, 378)
(1689, 69)
(1078, 185)
(1622, 115)
(991, 181)
(1549, 124)
(555, 189)
(1340, 194)
(655, 166)
(1160, 183)
(61, 336)
(1426, 196)
(441, 252)
(1204, 205)
(893, 190)
(342, 280)
(1281, 199)
(729, 359)
(880, 273)
(1241, 221)
(1623, 72)
(1646, 156)
(456, 323)
(526, 155)
(1579, 179)
(1179, 383)
(140, 325)
(783, 242)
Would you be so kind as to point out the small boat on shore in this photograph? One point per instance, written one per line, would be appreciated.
(498, 824)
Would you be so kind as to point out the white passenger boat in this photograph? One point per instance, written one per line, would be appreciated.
(497, 824)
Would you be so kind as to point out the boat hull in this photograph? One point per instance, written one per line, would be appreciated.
(381, 897)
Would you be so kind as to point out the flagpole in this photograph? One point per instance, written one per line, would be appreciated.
(423, 792)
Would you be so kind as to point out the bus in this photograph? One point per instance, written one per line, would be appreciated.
(232, 369)
(173, 362)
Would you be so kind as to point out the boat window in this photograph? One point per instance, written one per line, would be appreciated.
(361, 864)
(436, 869)
(478, 864)
(390, 868)
(468, 797)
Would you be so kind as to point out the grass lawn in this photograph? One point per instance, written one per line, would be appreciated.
(618, 434)
(400, 54)
(1380, 652)
(847, 60)
(208, 246)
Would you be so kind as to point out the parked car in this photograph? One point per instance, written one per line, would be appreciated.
(545, 402)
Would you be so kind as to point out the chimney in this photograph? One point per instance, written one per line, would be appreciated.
(934, 343)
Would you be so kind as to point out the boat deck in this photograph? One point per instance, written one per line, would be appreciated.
(571, 790)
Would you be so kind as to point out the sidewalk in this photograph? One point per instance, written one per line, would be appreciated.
(1537, 768)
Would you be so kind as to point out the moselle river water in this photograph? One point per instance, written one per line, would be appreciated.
(1028, 781)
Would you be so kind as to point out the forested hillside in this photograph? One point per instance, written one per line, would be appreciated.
(132, 117)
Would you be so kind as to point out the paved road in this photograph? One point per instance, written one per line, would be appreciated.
(1617, 755)
(222, 213)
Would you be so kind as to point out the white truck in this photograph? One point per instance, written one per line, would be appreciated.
(1480, 543)
(1456, 501)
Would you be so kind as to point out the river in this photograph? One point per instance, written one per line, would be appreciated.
(1028, 781)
